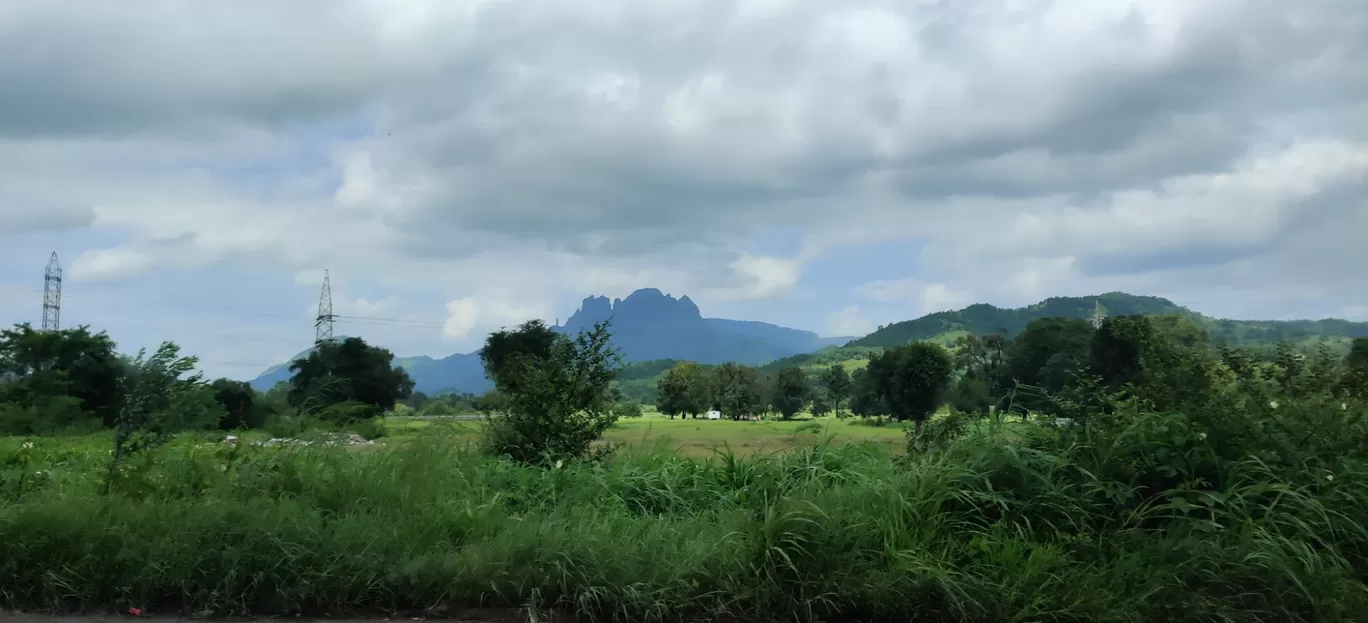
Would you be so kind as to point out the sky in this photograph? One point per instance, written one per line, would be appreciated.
(463, 165)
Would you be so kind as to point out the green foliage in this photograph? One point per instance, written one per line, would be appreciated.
(1117, 348)
(239, 402)
(1354, 379)
(685, 389)
(41, 365)
(821, 358)
(555, 391)
(508, 354)
(1051, 354)
(982, 319)
(416, 400)
(822, 404)
(46, 415)
(489, 402)
(980, 523)
(162, 396)
(865, 399)
(971, 395)
(912, 379)
(343, 414)
(737, 391)
(836, 381)
(628, 409)
(1221, 484)
(347, 371)
(791, 392)
(370, 429)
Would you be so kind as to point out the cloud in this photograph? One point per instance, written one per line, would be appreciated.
(847, 320)
(20, 217)
(512, 158)
(462, 317)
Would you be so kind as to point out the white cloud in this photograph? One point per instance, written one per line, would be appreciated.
(924, 297)
(519, 156)
(111, 263)
(847, 320)
(462, 317)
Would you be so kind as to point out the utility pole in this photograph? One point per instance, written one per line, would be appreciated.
(323, 324)
(52, 294)
(1098, 316)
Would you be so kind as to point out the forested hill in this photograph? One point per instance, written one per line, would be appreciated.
(982, 319)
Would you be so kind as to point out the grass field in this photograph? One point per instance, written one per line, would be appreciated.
(1016, 524)
(700, 438)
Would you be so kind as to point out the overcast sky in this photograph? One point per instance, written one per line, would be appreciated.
(827, 165)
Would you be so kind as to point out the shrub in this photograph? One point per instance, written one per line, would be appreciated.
(372, 428)
(554, 390)
(628, 409)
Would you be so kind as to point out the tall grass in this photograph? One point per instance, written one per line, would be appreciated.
(1144, 523)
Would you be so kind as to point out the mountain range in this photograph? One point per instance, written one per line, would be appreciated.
(650, 326)
(647, 325)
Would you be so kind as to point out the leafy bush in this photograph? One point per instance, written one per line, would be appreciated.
(628, 409)
(555, 392)
(51, 415)
(373, 428)
(345, 413)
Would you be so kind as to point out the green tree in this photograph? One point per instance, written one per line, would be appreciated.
(350, 371)
(1354, 378)
(865, 400)
(685, 389)
(163, 395)
(556, 392)
(506, 354)
(737, 391)
(821, 402)
(1118, 347)
(1049, 354)
(790, 392)
(983, 360)
(836, 381)
(416, 400)
(239, 402)
(912, 379)
(69, 362)
(970, 394)
(628, 409)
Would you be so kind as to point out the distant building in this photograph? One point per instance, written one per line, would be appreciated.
(714, 415)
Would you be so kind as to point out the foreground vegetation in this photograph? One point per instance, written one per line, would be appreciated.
(1138, 520)
(1143, 475)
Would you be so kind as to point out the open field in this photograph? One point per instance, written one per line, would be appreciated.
(698, 437)
(1019, 524)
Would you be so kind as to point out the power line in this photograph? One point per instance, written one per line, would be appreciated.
(390, 322)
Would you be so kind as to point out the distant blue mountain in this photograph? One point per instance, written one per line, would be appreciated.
(647, 325)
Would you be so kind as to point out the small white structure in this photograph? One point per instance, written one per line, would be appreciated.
(714, 415)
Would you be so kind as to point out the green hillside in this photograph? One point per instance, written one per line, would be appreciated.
(983, 319)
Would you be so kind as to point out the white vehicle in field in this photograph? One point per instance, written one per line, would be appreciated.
(714, 415)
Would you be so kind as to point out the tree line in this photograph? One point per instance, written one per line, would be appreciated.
(75, 380)
(1032, 372)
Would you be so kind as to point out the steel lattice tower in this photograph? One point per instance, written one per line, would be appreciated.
(1098, 316)
(52, 294)
(323, 324)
